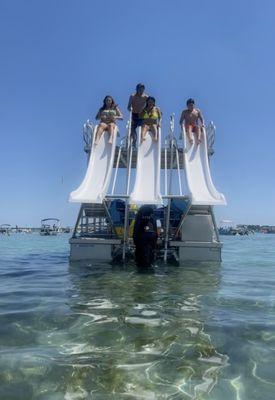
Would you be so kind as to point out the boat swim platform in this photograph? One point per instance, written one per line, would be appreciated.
(123, 158)
(190, 236)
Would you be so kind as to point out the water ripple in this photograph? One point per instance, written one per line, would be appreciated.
(100, 331)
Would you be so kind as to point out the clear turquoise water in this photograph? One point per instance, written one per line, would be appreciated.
(84, 331)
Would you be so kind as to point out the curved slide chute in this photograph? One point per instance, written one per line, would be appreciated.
(200, 187)
(96, 182)
(147, 184)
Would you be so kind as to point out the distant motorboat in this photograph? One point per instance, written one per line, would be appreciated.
(228, 228)
(5, 229)
(230, 231)
(27, 230)
(50, 227)
(21, 230)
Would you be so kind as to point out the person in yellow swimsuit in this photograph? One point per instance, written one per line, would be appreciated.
(107, 114)
(150, 119)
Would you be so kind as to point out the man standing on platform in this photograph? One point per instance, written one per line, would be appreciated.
(136, 104)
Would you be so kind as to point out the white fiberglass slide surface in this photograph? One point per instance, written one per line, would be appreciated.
(197, 173)
(147, 184)
(96, 182)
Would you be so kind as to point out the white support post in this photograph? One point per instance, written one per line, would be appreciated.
(117, 165)
(165, 168)
(178, 168)
(167, 224)
(129, 162)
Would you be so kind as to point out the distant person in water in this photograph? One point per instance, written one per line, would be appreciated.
(150, 119)
(136, 104)
(107, 114)
(190, 119)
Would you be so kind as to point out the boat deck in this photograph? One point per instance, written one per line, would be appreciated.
(123, 158)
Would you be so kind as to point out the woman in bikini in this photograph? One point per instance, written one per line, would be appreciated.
(107, 114)
(150, 119)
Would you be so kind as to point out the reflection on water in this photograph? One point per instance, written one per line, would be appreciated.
(143, 333)
(100, 331)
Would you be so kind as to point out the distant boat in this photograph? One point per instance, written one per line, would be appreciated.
(5, 229)
(50, 227)
(228, 229)
(27, 230)
(21, 230)
(233, 231)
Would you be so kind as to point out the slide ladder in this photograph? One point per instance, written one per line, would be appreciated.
(96, 182)
(200, 187)
(147, 184)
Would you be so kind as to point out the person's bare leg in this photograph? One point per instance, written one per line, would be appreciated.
(154, 131)
(134, 133)
(144, 130)
(198, 134)
(189, 134)
(111, 129)
(100, 129)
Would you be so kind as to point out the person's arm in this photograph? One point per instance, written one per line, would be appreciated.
(98, 114)
(201, 118)
(159, 112)
(118, 114)
(129, 107)
(182, 118)
(159, 115)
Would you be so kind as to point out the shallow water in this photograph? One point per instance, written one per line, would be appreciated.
(100, 331)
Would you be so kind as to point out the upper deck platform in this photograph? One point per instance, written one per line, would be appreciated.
(123, 158)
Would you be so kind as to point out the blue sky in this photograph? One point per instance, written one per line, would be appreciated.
(60, 58)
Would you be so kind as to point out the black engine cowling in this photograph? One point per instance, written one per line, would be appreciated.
(145, 236)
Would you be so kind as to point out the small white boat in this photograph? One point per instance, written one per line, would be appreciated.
(50, 227)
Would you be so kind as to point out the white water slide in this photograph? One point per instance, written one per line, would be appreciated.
(96, 182)
(147, 184)
(199, 183)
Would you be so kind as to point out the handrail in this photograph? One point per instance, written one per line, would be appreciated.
(210, 136)
(129, 152)
(124, 196)
(170, 137)
(183, 136)
(88, 129)
(183, 217)
(128, 176)
(165, 167)
(166, 145)
(117, 163)
(178, 164)
(216, 230)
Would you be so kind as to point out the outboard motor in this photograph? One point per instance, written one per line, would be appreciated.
(145, 236)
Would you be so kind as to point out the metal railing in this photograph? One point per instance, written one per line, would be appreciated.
(171, 143)
(128, 177)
